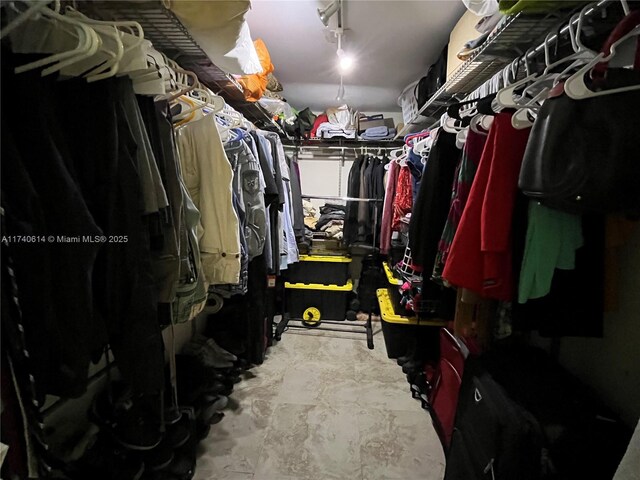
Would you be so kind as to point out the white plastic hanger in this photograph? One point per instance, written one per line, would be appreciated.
(56, 27)
(35, 7)
(423, 145)
(525, 117)
(207, 100)
(481, 124)
(575, 86)
(581, 55)
(123, 43)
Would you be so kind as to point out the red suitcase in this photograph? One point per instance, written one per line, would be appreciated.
(446, 378)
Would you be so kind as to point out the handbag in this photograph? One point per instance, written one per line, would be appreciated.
(583, 156)
(434, 79)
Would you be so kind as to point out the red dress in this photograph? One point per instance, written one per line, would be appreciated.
(480, 256)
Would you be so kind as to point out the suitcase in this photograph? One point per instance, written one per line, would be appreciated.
(445, 380)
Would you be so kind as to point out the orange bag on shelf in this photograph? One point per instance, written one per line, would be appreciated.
(255, 85)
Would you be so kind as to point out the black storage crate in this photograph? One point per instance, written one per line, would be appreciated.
(400, 332)
(329, 301)
(320, 269)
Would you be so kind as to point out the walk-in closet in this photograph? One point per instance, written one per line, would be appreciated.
(320, 239)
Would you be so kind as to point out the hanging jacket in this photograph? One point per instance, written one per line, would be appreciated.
(387, 211)
(480, 256)
(250, 193)
(208, 177)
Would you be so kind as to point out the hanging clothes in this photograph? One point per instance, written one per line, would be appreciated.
(433, 201)
(203, 158)
(414, 162)
(574, 305)
(248, 187)
(480, 256)
(387, 210)
(464, 175)
(353, 191)
(271, 198)
(296, 197)
(363, 208)
(553, 237)
(403, 199)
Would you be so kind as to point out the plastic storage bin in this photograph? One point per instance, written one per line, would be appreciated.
(320, 269)
(394, 288)
(399, 332)
(316, 302)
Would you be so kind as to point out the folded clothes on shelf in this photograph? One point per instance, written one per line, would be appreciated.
(378, 133)
(330, 130)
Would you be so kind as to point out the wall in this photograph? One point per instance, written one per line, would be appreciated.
(611, 365)
(324, 177)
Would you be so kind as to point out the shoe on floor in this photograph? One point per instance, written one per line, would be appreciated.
(124, 417)
(207, 356)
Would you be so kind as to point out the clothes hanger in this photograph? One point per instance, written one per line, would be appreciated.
(186, 88)
(210, 102)
(581, 55)
(576, 87)
(505, 97)
(53, 23)
(114, 50)
(178, 122)
(423, 145)
(22, 17)
(481, 124)
(524, 117)
(409, 139)
(132, 40)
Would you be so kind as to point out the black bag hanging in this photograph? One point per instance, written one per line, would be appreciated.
(584, 155)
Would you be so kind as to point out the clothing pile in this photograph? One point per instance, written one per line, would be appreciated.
(336, 122)
(310, 212)
(332, 220)
(378, 133)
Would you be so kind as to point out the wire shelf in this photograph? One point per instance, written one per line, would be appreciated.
(510, 40)
(169, 35)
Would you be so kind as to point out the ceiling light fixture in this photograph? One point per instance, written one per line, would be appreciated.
(326, 13)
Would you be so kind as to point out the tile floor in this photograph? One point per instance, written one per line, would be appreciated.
(323, 407)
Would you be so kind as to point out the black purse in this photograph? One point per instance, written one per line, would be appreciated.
(584, 155)
(434, 79)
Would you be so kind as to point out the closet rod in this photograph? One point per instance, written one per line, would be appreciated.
(320, 147)
(345, 199)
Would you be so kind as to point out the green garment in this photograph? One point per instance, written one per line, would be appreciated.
(510, 7)
(552, 240)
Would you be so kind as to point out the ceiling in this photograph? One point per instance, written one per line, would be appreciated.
(393, 42)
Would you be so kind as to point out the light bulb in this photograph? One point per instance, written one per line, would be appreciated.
(345, 63)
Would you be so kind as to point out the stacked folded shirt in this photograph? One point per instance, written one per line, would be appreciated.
(378, 133)
(330, 130)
